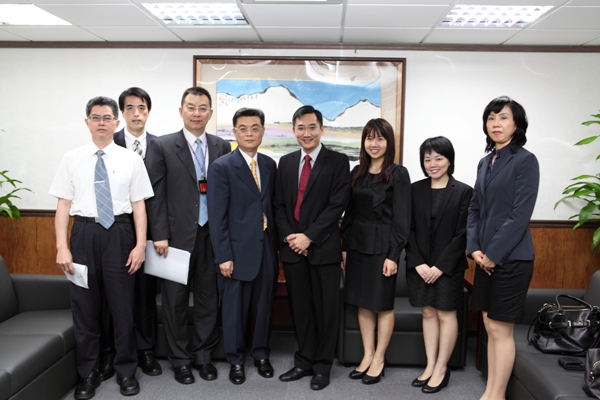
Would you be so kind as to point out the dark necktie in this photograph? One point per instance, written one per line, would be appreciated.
(302, 185)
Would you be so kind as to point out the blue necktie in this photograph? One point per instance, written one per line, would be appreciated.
(203, 217)
(106, 216)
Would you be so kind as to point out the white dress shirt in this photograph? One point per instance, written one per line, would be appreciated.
(313, 157)
(191, 139)
(129, 139)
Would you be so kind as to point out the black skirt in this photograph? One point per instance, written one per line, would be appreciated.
(365, 285)
(445, 294)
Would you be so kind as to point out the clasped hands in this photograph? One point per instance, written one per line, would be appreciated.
(390, 267)
(483, 261)
(429, 274)
(299, 243)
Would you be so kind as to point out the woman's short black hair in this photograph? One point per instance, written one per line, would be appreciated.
(519, 116)
(441, 145)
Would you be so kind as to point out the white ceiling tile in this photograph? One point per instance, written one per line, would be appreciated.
(205, 33)
(384, 35)
(575, 3)
(470, 36)
(102, 15)
(398, 16)
(285, 34)
(300, 15)
(560, 37)
(15, 2)
(420, 2)
(81, 1)
(5, 36)
(52, 33)
(513, 2)
(571, 18)
(133, 33)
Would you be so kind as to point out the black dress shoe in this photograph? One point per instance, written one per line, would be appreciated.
(264, 367)
(370, 380)
(86, 388)
(443, 384)
(319, 381)
(419, 383)
(148, 364)
(357, 374)
(294, 374)
(237, 376)
(129, 386)
(184, 375)
(208, 372)
(106, 370)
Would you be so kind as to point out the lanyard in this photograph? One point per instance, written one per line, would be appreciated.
(201, 165)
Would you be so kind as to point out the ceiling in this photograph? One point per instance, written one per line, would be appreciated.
(394, 22)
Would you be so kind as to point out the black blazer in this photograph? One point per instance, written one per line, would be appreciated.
(450, 230)
(173, 211)
(119, 138)
(380, 227)
(500, 210)
(325, 198)
(236, 213)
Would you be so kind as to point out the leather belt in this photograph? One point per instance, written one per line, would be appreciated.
(123, 219)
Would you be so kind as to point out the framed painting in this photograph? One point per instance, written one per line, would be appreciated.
(348, 92)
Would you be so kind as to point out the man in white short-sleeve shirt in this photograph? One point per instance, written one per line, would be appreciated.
(108, 236)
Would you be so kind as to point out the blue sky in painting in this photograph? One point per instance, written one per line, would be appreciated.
(331, 99)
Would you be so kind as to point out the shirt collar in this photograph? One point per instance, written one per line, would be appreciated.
(132, 137)
(189, 136)
(248, 158)
(313, 154)
(108, 150)
(501, 152)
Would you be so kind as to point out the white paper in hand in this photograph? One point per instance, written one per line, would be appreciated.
(173, 268)
(80, 277)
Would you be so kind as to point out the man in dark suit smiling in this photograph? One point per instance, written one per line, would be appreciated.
(312, 190)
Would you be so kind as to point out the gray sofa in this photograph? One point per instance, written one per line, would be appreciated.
(37, 342)
(406, 346)
(536, 375)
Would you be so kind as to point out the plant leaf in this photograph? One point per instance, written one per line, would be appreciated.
(587, 140)
(596, 239)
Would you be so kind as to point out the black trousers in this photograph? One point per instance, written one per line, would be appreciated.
(242, 300)
(105, 253)
(202, 281)
(314, 297)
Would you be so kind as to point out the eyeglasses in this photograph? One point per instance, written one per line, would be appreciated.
(312, 128)
(105, 118)
(244, 129)
(201, 109)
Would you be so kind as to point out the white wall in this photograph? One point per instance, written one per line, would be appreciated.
(43, 93)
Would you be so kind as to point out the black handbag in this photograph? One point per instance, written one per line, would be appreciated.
(561, 329)
(591, 386)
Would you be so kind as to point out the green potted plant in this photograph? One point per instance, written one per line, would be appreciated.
(587, 188)
(7, 208)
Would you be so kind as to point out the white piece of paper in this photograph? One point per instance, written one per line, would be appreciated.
(173, 268)
(80, 277)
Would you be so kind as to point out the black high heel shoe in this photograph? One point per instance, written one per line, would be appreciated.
(357, 374)
(419, 383)
(369, 380)
(443, 384)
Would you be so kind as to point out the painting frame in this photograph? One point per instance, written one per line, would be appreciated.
(388, 73)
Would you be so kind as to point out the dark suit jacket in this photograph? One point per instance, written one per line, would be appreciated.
(173, 211)
(500, 210)
(119, 138)
(450, 230)
(236, 213)
(373, 225)
(325, 198)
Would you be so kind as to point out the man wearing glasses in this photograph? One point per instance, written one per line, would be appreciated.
(241, 186)
(178, 166)
(312, 190)
(102, 185)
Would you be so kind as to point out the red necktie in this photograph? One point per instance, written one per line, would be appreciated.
(302, 186)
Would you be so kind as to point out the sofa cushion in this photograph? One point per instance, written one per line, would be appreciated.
(5, 389)
(25, 357)
(9, 305)
(406, 317)
(51, 322)
(541, 375)
(592, 294)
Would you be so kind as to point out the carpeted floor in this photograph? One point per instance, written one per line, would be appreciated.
(465, 384)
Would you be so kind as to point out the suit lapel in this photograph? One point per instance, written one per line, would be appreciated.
(498, 165)
(243, 172)
(182, 149)
(320, 162)
(265, 174)
(426, 196)
(446, 196)
(292, 176)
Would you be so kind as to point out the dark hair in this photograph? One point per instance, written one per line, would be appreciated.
(376, 127)
(519, 117)
(136, 92)
(102, 101)
(302, 111)
(197, 91)
(440, 145)
(249, 112)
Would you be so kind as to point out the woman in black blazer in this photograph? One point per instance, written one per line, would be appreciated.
(498, 236)
(374, 231)
(435, 257)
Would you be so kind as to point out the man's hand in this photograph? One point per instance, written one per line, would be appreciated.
(64, 260)
(226, 268)
(136, 258)
(299, 243)
(162, 247)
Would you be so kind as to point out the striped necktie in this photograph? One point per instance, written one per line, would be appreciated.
(104, 205)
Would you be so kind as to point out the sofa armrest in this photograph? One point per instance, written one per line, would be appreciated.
(536, 298)
(42, 292)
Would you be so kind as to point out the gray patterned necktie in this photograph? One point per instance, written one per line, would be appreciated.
(137, 147)
(203, 217)
(106, 216)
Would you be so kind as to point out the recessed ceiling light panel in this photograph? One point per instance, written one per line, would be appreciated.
(197, 13)
(27, 14)
(486, 16)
